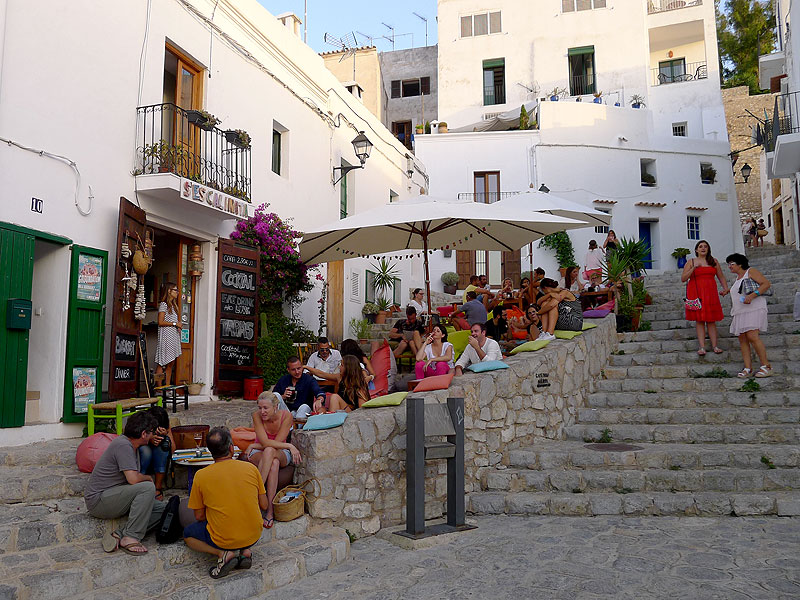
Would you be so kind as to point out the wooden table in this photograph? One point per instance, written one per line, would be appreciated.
(118, 410)
(587, 297)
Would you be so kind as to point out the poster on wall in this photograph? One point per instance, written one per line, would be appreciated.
(90, 277)
(84, 388)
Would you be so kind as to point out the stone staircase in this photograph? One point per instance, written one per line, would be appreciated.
(680, 444)
(50, 546)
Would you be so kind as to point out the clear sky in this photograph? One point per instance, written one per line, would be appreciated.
(363, 17)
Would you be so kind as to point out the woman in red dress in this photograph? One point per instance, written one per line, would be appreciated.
(700, 273)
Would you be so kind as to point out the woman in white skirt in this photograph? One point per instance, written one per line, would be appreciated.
(749, 314)
(169, 333)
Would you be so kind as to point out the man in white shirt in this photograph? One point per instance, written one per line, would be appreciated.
(479, 349)
(324, 363)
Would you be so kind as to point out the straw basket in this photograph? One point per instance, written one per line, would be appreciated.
(296, 507)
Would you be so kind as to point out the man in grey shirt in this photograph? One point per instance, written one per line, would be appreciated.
(473, 310)
(116, 487)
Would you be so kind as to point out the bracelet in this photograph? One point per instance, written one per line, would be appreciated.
(757, 292)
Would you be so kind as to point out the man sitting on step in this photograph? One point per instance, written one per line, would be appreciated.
(479, 349)
(227, 498)
(116, 487)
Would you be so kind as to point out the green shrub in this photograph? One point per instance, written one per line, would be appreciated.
(274, 343)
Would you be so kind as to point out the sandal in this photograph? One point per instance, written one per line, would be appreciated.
(764, 371)
(244, 562)
(130, 548)
(701, 352)
(268, 523)
(110, 542)
(159, 495)
(745, 373)
(718, 350)
(222, 568)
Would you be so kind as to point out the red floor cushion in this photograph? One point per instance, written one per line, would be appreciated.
(91, 449)
(437, 382)
(381, 363)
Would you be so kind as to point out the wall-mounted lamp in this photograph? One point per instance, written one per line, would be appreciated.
(544, 188)
(362, 147)
(746, 170)
(196, 263)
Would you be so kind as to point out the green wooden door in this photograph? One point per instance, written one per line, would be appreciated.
(85, 331)
(16, 281)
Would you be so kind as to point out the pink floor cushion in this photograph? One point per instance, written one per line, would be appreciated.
(91, 449)
(607, 306)
(437, 382)
(596, 313)
(444, 311)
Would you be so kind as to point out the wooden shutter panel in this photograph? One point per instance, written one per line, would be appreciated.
(425, 85)
(465, 266)
(396, 88)
(511, 266)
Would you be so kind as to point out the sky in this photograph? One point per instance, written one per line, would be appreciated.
(342, 17)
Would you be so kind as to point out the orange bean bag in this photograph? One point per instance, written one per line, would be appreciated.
(243, 437)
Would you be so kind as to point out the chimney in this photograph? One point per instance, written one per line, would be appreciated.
(354, 89)
(291, 21)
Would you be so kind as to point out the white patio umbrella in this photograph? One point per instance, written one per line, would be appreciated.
(427, 223)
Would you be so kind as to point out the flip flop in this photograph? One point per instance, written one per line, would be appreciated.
(222, 568)
(130, 548)
(718, 350)
(159, 495)
(110, 542)
(268, 523)
(701, 352)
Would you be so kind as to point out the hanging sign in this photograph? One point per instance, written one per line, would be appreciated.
(193, 191)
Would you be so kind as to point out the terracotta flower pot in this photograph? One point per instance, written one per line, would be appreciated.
(380, 318)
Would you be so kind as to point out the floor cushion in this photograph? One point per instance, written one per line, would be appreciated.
(437, 382)
(326, 421)
(596, 313)
(381, 363)
(489, 365)
(566, 335)
(459, 339)
(531, 346)
(589, 326)
(394, 399)
(91, 449)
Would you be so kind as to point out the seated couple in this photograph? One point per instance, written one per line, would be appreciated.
(558, 309)
(332, 371)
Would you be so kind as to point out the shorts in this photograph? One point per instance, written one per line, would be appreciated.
(199, 531)
(286, 452)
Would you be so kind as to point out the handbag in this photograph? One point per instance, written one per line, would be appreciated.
(749, 286)
(694, 303)
(762, 232)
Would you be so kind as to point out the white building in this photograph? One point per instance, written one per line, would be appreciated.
(600, 154)
(111, 87)
(779, 71)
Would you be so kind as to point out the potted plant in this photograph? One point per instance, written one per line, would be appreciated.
(419, 129)
(361, 329)
(238, 138)
(450, 281)
(427, 127)
(556, 93)
(165, 155)
(195, 387)
(561, 244)
(637, 101)
(708, 174)
(648, 180)
(370, 310)
(384, 310)
(524, 118)
(203, 119)
(681, 254)
(597, 97)
(442, 127)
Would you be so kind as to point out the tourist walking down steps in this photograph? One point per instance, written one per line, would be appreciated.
(702, 300)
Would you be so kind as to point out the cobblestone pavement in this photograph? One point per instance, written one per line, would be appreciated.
(576, 558)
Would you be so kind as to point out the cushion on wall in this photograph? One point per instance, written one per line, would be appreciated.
(388, 400)
(596, 313)
(381, 363)
(566, 335)
(444, 311)
(326, 421)
(530, 346)
(588, 325)
(459, 339)
(437, 382)
(489, 365)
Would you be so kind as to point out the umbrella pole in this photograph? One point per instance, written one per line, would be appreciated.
(427, 277)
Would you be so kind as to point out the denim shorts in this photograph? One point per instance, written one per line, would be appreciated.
(286, 452)
(199, 531)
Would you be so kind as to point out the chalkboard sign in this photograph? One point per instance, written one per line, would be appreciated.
(124, 374)
(236, 304)
(125, 347)
(237, 325)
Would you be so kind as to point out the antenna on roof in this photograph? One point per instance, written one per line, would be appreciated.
(390, 28)
(370, 38)
(346, 44)
(419, 16)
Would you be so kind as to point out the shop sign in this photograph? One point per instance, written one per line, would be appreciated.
(90, 277)
(191, 190)
(84, 386)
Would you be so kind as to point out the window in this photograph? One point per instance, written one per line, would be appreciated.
(405, 88)
(573, 5)
(693, 227)
(679, 129)
(647, 167)
(402, 131)
(581, 70)
(487, 187)
(494, 81)
(670, 71)
(481, 24)
(276, 152)
(369, 288)
(708, 174)
(393, 196)
(602, 228)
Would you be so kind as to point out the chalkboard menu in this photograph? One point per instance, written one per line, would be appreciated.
(237, 329)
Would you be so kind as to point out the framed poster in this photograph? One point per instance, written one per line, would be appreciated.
(84, 386)
(90, 277)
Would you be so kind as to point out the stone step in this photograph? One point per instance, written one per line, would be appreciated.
(675, 479)
(778, 312)
(571, 454)
(83, 570)
(691, 384)
(28, 484)
(760, 399)
(53, 452)
(689, 416)
(725, 434)
(676, 302)
(780, 354)
(636, 504)
(690, 344)
(723, 326)
(690, 370)
(686, 331)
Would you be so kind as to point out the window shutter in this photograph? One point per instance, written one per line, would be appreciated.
(355, 281)
(396, 88)
(425, 85)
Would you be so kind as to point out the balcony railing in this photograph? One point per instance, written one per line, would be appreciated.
(485, 197)
(581, 85)
(659, 6)
(785, 119)
(680, 72)
(174, 140)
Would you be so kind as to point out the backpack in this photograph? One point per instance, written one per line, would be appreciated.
(169, 528)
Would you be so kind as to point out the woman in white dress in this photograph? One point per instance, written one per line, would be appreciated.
(419, 304)
(749, 314)
(169, 333)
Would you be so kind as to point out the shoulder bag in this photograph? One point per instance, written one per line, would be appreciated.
(693, 303)
(749, 286)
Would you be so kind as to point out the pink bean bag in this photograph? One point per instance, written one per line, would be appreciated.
(91, 449)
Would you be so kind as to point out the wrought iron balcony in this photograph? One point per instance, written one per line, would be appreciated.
(485, 197)
(581, 85)
(678, 72)
(785, 119)
(183, 142)
(659, 6)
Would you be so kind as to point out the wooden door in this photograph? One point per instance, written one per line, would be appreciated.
(512, 266)
(16, 281)
(186, 303)
(123, 372)
(465, 266)
(188, 96)
(86, 330)
(237, 285)
(336, 301)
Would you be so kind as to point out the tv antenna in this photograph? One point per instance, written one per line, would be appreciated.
(370, 38)
(419, 16)
(347, 45)
(390, 28)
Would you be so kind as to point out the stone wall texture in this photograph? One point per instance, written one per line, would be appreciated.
(737, 101)
(360, 467)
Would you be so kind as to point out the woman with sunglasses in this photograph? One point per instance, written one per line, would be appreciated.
(749, 313)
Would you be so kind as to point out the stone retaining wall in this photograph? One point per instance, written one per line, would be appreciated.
(360, 466)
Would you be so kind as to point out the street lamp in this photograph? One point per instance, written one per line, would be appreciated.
(362, 147)
(745, 171)
(544, 188)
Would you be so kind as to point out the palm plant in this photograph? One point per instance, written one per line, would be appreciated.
(622, 264)
(385, 275)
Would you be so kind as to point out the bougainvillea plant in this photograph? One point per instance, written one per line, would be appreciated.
(283, 276)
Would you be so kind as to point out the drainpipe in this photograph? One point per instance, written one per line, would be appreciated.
(3, 29)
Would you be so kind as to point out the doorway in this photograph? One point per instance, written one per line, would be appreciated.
(648, 233)
(183, 88)
(777, 219)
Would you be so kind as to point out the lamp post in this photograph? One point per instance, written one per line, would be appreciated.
(362, 147)
(745, 171)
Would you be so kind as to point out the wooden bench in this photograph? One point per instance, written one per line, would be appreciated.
(169, 393)
(119, 409)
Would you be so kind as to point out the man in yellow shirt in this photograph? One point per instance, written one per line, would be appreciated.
(227, 498)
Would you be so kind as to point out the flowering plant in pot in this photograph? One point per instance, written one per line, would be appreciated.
(450, 281)
(680, 254)
(369, 310)
(637, 101)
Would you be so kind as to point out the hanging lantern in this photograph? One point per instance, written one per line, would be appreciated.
(196, 264)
